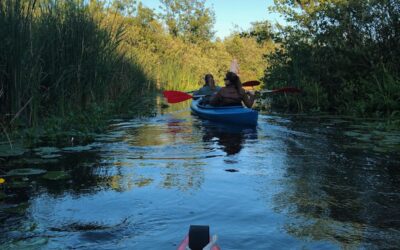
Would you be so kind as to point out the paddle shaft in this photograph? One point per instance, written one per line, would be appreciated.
(179, 96)
(245, 84)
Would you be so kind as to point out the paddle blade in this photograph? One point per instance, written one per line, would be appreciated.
(251, 83)
(176, 96)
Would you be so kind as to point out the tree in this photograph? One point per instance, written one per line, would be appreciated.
(125, 7)
(189, 19)
(261, 31)
(340, 44)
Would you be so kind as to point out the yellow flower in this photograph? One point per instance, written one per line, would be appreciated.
(2, 180)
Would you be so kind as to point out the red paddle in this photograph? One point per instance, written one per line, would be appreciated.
(179, 96)
(174, 96)
(245, 84)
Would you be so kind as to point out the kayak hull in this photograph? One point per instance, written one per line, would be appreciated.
(229, 114)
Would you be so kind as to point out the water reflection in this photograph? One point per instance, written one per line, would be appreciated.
(18, 230)
(227, 137)
(336, 194)
(141, 184)
(159, 153)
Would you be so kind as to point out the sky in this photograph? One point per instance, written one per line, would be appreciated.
(229, 13)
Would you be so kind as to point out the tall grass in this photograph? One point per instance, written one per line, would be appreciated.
(14, 35)
(176, 65)
(375, 95)
(56, 58)
(180, 65)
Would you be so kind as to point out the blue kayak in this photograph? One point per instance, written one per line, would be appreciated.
(226, 114)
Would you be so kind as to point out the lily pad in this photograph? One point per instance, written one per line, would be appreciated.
(56, 175)
(26, 171)
(381, 149)
(391, 141)
(18, 209)
(365, 138)
(338, 121)
(33, 243)
(353, 133)
(357, 146)
(2, 196)
(52, 156)
(77, 148)
(6, 150)
(46, 150)
(33, 161)
(19, 184)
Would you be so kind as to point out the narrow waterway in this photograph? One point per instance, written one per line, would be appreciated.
(293, 182)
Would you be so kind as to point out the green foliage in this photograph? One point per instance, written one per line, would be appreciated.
(125, 7)
(66, 65)
(250, 54)
(189, 19)
(180, 64)
(261, 31)
(350, 49)
(378, 95)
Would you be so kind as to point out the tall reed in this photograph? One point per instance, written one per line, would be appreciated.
(56, 58)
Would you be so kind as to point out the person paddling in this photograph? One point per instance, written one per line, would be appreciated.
(233, 93)
(209, 87)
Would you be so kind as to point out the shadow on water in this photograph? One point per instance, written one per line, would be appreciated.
(65, 174)
(69, 175)
(228, 137)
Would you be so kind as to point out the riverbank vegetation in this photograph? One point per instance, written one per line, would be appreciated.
(61, 60)
(65, 64)
(343, 54)
(58, 62)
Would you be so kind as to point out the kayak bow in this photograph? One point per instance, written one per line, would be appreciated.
(199, 239)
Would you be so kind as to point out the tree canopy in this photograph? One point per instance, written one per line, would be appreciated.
(190, 20)
(342, 51)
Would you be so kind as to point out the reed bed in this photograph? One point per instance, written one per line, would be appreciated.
(57, 58)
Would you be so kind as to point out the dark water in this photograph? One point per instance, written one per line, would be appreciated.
(291, 183)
